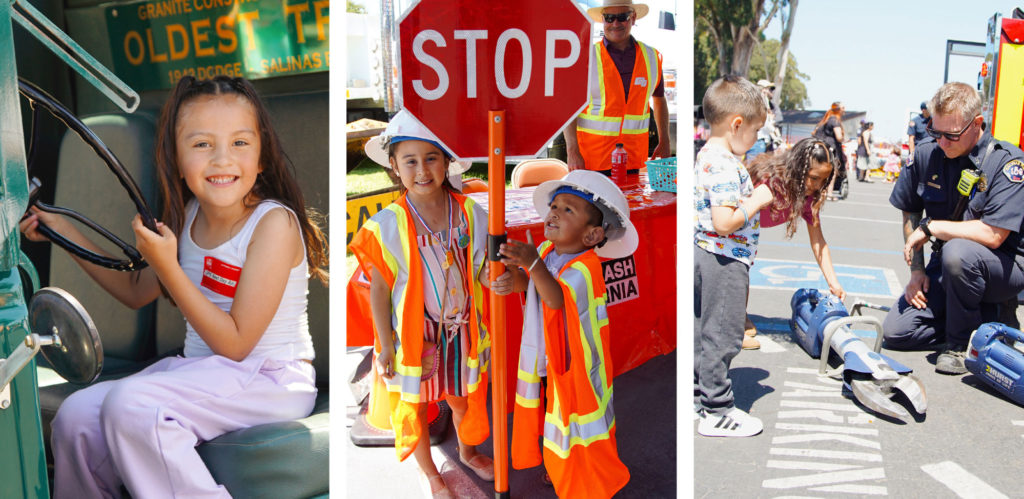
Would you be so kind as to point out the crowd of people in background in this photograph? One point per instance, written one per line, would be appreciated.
(862, 154)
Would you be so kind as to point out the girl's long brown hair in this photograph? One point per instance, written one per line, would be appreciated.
(276, 181)
(786, 175)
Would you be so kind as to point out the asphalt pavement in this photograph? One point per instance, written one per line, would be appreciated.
(817, 441)
(645, 418)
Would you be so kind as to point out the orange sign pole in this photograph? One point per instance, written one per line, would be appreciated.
(496, 231)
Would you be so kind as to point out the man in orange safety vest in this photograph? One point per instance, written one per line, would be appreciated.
(625, 88)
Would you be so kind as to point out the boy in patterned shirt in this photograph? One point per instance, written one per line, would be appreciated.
(725, 239)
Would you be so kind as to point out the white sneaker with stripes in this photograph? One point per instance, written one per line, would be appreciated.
(734, 423)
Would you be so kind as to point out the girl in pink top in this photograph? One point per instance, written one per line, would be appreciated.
(798, 180)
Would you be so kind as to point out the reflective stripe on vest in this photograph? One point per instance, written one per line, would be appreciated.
(528, 383)
(596, 117)
(612, 116)
(591, 320)
(559, 438)
(582, 429)
(397, 242)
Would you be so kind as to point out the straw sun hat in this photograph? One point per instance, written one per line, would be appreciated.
(595, 13)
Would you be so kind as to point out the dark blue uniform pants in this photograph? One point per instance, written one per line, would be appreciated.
(966, 284)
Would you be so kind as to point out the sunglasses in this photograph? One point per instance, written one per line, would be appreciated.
(950, 136)
(620, 17)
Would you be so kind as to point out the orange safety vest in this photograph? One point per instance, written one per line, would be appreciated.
(578, 426)
(387, 242)
(609, 118)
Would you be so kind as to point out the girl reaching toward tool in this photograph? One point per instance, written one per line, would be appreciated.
(798, 180)
(234, 253)
(426, 255)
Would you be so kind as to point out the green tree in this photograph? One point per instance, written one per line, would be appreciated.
(735, 27)
(705, 63)
(354, 8)
(717, 22)
(764, 64)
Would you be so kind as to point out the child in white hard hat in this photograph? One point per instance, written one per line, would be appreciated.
(566, 348)
(425, 255)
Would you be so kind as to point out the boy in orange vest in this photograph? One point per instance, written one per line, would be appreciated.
(566, 339)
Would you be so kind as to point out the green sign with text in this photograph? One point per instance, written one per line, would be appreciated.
(156, 42)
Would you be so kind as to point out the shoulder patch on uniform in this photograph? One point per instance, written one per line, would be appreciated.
(1014, 171)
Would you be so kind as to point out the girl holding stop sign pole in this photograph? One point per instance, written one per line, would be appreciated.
(426, 258)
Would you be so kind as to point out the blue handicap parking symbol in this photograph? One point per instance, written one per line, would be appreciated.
(856, 280)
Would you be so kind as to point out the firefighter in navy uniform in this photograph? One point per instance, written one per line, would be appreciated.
(978, 264)
(917, 130)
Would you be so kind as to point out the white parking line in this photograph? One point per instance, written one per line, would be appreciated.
(870, 220)
(875, 205)
(829, 428)
(826, 416)
(784, 464)
(802, 370)
(826, 437)
(809, 393)
(827, 454)
(800, 404)
(960, 481)
(808, 386)
(769, 345)
(874, 490)
(824, 478)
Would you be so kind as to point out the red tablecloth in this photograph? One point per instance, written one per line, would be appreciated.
(641, 288)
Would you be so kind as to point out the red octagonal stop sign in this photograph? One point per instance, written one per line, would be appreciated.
(460, 59)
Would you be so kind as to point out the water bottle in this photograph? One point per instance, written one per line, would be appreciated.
(619, 164)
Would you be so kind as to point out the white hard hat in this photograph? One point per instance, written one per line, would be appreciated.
(622, 236)
(403, 126)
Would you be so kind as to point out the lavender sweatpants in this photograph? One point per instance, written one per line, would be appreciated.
(142, 430)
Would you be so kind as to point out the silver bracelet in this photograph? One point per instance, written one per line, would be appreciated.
(535, 260)
(746, 217)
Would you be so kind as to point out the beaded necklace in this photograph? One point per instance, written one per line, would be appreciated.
(445, 242)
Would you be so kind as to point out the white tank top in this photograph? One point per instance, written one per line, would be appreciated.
(215, 272)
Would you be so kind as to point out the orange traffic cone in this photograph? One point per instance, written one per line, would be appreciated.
(378, 411)
(372, 428)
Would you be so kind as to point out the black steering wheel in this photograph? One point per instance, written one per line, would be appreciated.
(133, 261)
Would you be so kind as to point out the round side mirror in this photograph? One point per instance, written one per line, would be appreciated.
(78, 354)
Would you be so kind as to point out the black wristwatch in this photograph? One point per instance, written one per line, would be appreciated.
(924, 226)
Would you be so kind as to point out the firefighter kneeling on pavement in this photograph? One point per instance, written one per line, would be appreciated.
(975, 268)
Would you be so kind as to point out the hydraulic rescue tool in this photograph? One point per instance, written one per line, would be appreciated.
(821, 325)
(994, 355)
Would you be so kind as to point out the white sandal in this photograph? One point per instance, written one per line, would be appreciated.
(427, 484)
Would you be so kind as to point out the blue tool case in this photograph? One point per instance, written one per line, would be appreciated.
(991, 356)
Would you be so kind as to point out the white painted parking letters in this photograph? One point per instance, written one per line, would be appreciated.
(834, 445)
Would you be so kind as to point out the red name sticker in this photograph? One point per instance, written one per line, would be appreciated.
(220, 277)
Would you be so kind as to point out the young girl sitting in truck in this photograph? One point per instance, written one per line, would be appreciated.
(234, 253)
